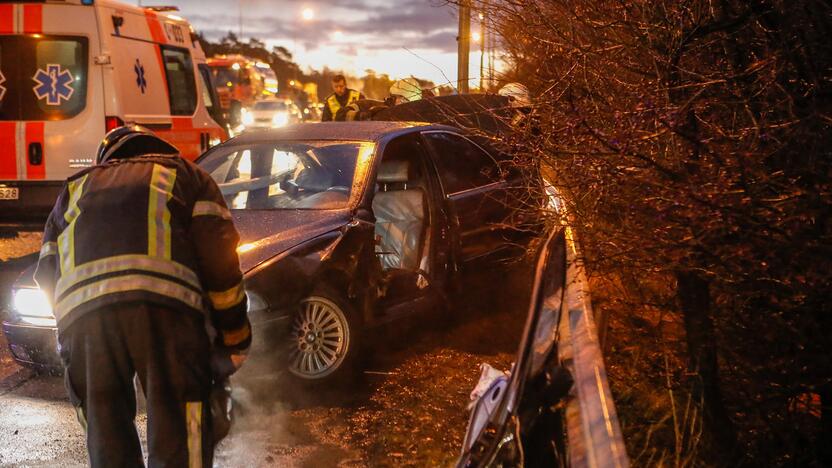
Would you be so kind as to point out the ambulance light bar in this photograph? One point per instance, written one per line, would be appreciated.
(162, 8)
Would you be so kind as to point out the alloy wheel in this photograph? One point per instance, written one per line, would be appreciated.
(320, 339)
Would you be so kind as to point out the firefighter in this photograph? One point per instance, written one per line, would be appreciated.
(135, 250)
(339, 99)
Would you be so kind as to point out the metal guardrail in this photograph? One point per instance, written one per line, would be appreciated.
(593, 431)
(560, 334)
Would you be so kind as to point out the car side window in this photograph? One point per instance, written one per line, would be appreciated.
(179, 72)
(407, 148)
(462, 164)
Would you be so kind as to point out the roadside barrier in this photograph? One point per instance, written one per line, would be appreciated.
(593, 431)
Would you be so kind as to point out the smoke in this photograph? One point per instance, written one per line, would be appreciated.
(263, 432)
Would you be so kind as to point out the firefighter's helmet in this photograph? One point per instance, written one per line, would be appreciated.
(517, 94)
(408, 89)
(130, 141)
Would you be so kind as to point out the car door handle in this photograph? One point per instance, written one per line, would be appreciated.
(35, 154)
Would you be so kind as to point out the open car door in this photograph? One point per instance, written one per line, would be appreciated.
(555, 408)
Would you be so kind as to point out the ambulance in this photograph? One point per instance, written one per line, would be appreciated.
(71, 70)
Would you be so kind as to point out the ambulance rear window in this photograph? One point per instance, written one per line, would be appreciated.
(179, 70)
(42, 77)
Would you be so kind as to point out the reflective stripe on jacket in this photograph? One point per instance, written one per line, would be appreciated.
(153, 228)
(335, 106)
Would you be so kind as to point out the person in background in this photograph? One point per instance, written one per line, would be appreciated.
(339, 99)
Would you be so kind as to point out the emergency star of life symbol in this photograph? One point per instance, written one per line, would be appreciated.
(2, 88)
(53, 84)
(141, 82)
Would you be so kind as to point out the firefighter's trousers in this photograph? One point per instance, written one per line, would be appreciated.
(169, 350)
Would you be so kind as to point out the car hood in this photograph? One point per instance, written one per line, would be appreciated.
(264, 234)
(263, 114)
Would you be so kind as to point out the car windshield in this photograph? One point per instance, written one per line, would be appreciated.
(269, 106)
(310, 175)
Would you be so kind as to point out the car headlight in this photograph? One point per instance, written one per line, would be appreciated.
(32, 306)
(280, 119)
(248, 118)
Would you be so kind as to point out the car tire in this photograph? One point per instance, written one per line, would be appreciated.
(324, 338)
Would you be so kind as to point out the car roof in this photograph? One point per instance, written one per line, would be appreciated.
(359, 130)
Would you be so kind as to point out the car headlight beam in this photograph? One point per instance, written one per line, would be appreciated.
(248, 118)
(32, 306)
(280, 119)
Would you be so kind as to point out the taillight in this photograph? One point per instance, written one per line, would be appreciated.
(111, 122)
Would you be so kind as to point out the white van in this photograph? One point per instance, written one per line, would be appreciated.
(72, 69)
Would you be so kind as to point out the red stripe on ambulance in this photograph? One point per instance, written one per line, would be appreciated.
(184, 136)
(156, 31)
(32, 19)
(34, 134)
(6, 21)
(8, 150)
(182, 123)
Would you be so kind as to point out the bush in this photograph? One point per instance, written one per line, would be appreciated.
(692, 140)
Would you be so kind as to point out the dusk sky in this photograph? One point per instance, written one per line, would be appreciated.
(349, 35)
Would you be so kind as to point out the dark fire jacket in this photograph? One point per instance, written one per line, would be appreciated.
(153, 228)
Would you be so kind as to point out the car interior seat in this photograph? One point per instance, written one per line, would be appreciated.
(399, 208)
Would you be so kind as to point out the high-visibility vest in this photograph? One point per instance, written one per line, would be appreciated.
(335, 106)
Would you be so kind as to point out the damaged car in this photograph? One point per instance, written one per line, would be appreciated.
(344, 226)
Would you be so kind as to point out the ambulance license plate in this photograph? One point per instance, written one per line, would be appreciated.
(9, 193)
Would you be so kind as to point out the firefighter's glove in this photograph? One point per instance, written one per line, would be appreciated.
(230, 351)
(225, 362)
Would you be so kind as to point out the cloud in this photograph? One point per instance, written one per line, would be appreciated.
(412, 23)
(374, 33)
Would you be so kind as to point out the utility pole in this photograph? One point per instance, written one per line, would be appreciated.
(464, 45)
(484, 35)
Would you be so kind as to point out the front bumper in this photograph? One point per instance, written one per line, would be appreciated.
(36, 199)
(33, 346)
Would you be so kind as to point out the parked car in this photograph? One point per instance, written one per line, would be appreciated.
(271, 113)
(344, 226)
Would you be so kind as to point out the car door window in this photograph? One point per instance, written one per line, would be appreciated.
(462, 164)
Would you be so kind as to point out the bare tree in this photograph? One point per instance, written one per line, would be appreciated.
(692, 139)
